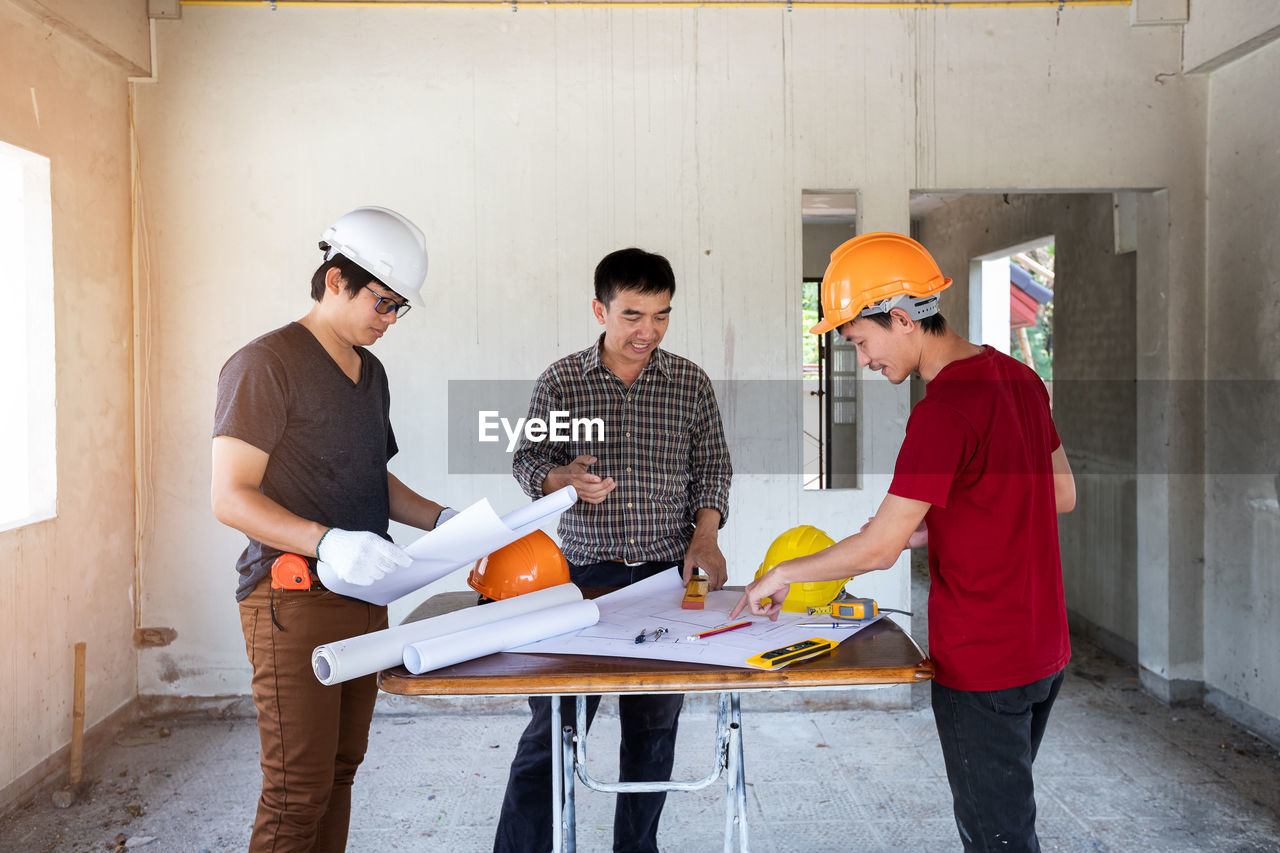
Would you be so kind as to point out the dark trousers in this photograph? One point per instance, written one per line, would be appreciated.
(648, 722)
(989, 741)
(312, 737)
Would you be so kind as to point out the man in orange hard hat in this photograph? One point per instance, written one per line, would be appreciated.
(653, 494)
(980, 479)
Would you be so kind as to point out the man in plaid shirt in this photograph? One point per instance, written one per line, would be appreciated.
(653, 493)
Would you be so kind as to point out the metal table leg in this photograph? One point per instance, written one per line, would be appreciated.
(736, 782)
(567, 739)
(728, 755)
(563, 838)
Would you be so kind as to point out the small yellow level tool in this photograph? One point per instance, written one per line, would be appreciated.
(802, 650)
(695, 594)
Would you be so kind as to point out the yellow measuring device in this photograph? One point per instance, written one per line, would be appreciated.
(802, 650)
(853, 608)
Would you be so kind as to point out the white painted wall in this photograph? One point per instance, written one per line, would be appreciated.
(1218, 31)
(527, 146)
(1242, 523)
(70, 579)
(989, 303)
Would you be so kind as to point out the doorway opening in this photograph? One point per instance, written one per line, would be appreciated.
(1054, 280)
(1011, 295)
(829, 377)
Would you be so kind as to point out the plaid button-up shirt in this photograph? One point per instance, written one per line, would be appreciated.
(663, 444)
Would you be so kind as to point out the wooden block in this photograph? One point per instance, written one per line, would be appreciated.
(77, 717)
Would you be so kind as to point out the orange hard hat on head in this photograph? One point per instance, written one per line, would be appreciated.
(873, 273)
(530, 563)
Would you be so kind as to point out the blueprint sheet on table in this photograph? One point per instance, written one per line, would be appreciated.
(655, 602)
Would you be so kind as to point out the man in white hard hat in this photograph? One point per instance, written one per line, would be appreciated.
(652, 494)
(302, 436)
(980, 479)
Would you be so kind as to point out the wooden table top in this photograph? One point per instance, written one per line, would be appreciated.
(879, 654)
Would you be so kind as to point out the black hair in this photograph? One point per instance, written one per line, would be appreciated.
(934, 324)
(633, 269)
(355, 276)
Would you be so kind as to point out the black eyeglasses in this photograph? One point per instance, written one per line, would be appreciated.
(401, 308)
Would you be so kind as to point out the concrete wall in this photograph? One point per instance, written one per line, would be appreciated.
(529, 145)
(71, 579)
(1094, 367)
(1242, 530)
(115, 30)
(1221, 31)
(820, 239)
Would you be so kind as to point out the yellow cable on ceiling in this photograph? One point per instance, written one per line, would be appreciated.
(680, 4)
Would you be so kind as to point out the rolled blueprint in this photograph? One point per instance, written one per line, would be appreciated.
(469, 535)
(368, 653)
(426, 655)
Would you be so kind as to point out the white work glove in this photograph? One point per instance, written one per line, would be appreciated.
(358, 556)
(445, 514)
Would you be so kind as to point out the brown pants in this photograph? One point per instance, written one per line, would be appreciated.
(313, 737)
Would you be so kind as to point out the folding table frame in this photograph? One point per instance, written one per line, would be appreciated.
(880, 654)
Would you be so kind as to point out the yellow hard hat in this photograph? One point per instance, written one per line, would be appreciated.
(877, 272)
(530, 563)
(801, 542)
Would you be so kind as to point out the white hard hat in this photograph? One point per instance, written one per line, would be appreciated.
(385, 244)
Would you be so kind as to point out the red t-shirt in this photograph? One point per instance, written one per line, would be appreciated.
(978, 447)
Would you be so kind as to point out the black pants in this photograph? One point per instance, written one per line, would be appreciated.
(648, 722)
(989, 741)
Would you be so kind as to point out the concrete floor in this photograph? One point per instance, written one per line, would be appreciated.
(1118, 771)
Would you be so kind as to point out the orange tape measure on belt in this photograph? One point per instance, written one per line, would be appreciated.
(290, 571)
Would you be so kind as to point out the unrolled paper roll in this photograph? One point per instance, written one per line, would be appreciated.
(467, 537)
(346, 659)
(426, 655)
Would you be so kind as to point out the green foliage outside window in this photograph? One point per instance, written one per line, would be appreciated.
(1039, 336)
(809, 318)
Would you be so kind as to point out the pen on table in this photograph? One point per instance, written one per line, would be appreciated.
(735, 626)
(853, 624)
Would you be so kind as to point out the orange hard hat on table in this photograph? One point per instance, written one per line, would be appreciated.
(530, 563)
(872, 272)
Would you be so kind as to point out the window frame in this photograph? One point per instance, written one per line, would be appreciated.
(28, 445)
